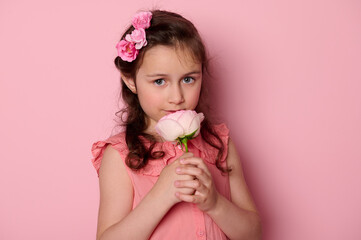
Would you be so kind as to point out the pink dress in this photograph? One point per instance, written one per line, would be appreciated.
(184, 220)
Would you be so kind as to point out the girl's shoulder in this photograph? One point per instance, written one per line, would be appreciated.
(116, 141)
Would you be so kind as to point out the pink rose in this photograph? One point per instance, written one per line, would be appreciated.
(127, 51)
(180, 126)
(142, 20)
(138, 37)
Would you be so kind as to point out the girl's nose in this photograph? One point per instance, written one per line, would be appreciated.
(176, 95)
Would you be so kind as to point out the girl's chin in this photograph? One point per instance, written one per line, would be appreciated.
(169, 112)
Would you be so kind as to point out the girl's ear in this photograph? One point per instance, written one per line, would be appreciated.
(130, 83)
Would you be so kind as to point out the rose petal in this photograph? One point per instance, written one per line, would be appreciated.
(185, 121)
(176, 115)
(201, 116)
(128, 38)
(169, 129)
(196, 124)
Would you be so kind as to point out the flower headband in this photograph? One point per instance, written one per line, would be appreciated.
(128, 49)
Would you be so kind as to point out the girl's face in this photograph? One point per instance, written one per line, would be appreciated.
(168, 80)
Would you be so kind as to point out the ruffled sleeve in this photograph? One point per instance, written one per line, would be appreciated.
(209, 153)
(223, 132)
(117, 141)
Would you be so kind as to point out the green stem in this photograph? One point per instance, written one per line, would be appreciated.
(184, 141)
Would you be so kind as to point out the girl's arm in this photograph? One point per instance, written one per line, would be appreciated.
(116, 219)
(238, 219)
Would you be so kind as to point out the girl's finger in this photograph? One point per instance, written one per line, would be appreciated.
(196, 198)
(186, 197)
(198, 162)
(199, 173)
(186, 155)
(186, 191)
(195, 184)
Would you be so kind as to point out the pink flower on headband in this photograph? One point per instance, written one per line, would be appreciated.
(137, 37)
(127, 51)
(142, 20)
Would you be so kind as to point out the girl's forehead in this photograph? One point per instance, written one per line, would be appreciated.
(166, 58)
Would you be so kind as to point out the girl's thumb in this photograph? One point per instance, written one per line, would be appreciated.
(186, 155)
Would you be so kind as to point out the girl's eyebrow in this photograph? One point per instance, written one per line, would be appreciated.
(193, 72)
(163, 74)
(156, 75)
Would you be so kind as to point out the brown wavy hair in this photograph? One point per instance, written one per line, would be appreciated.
(168, 29)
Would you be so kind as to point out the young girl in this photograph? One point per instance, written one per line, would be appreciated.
(151, 189)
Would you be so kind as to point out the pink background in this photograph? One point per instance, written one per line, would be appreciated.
(288, 86)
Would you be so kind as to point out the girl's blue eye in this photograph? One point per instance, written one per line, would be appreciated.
(159, 82)
(188, 80)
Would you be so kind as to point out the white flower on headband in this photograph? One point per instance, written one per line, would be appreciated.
(128, 48)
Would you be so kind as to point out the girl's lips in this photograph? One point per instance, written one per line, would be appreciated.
(172, 111)
(169, 112)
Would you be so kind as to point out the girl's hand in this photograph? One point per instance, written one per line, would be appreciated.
(205, 195)
(164, 187)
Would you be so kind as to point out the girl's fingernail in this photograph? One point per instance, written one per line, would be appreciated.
(176, 183)
(178, 170)
(182, 161)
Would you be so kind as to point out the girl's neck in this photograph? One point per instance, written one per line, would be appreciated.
(155, 135)
(151, 131)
